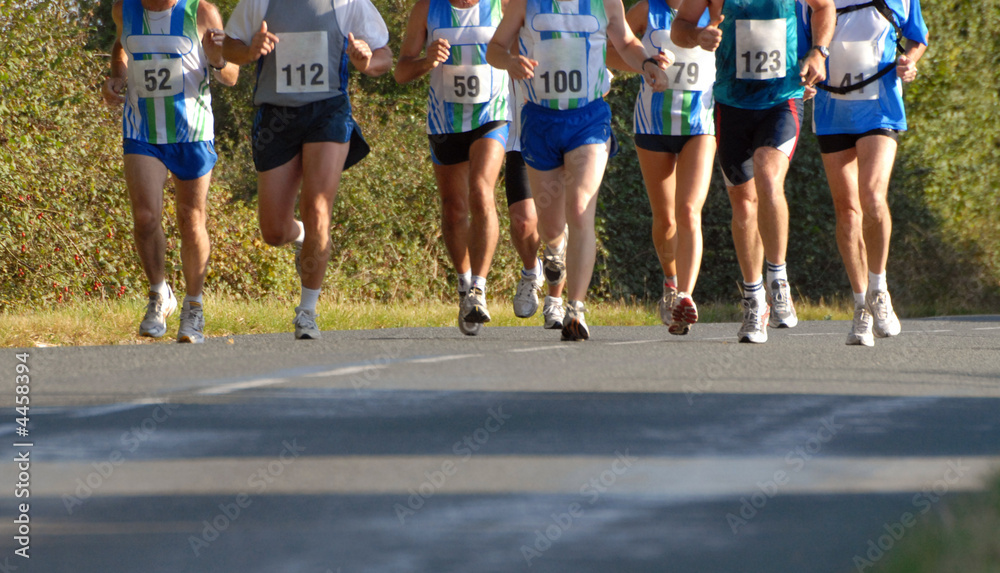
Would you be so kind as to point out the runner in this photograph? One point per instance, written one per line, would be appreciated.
(467, 128)
(303, 134)
(524, 231)
(758, 93)
(858, 115)
(566, 135)
(163, 51)
(675, 143)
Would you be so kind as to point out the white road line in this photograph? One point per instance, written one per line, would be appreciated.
(542, 348)
(445, 358)
(346, 371)
(815, 333)
(987, 328)
(237, 386)
(634, 342)
(662, 477)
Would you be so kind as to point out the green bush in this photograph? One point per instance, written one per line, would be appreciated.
(65, 222)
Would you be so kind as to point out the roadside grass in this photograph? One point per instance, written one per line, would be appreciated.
(963, 534)
(117, 321)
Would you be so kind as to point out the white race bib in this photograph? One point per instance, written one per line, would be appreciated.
(761, 49)
(468, 83)
(562, 68)
(156, 78)
(301, 60)
(694, 68)
(851, 63)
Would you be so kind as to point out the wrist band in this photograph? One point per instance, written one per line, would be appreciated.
(653, 60)
(219, 69)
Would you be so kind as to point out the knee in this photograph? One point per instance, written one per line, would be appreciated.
(875, 208)
(145, 221)
(688, 217)
(521, 226)
(272, 232)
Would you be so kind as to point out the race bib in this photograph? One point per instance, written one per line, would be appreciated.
(851, 63)
(694, 68)
(156, 78)
(301, 60)
(468, 83)
(562, 68)
(761, 49)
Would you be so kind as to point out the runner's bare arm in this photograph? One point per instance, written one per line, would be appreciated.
(411, 66)
(239, 53)
(685, 31)
(210, 27)
(637, 16)
(115, 83)
(500, 52)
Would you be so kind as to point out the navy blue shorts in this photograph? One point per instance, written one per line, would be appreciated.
(279, 132)
(453, 148)
(835, 143)
(740, 132)
(662, 143)
(187, 161)
(549, 134)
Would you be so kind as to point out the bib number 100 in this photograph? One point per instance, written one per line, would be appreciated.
(561, 81)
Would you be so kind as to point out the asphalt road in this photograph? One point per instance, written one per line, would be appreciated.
(425, 450)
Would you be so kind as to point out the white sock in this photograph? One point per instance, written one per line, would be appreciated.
(670, 281)
(776, 272)
(302, 232)
(161, 288)
(479, 283)
(465, 281)
(859, 299)
(309, 299)
(754, 289)
(196, 299)
(876, 282)
(533, 272)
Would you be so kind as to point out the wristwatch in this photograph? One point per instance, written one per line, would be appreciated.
(823, 51)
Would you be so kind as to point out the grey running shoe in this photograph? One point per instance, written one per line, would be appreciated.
(526, 296)
(554, 261)
(666, 304)
(885, 323)
(466, 328)
(305, 324)
(474, 307)
(684, 315)
(779, 298)
(861, 328)
(755, 320)
(574, 326)
(192, 328)
(553, 312)
(154, 324)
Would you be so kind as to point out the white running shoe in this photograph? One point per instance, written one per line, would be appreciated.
(553, 312)
(192, 328)
(474, 307)
(666, 304)
(779, 299)
(554, 261)
(574, 326)
(861, 328)
(305, 324)
(526, 296)
(466, 328)
(154, 324)
(885, 323)
(755, 320)
(684, 315)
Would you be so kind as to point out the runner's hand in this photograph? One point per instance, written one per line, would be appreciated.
(263, 42)
(710, 36)
(438, 52)
(112, 91)
(906, 68)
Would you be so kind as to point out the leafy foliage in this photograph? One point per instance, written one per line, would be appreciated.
(65, 222)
